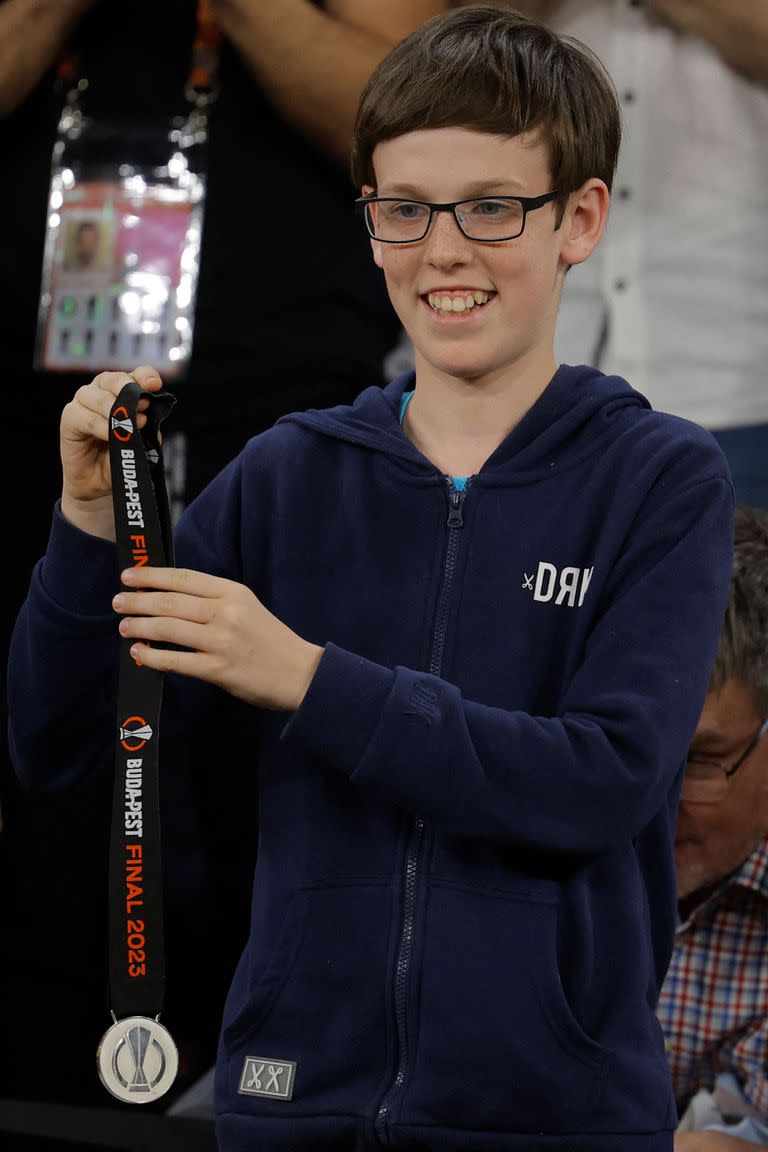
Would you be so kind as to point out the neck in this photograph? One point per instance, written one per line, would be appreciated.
(458, 424)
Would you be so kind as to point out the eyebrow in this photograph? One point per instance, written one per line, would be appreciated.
(479, 188)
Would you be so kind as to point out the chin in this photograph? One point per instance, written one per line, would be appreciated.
(462, 368)
(692, 878)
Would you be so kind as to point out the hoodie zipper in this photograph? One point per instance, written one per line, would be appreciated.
(415, 848)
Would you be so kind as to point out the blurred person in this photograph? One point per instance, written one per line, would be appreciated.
(285, 318)
(466, 624)
(714, 1002)
(677, 299)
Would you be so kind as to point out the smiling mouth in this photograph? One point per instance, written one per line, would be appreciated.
(457, 303)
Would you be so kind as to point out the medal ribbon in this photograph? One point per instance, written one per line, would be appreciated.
(144, 537)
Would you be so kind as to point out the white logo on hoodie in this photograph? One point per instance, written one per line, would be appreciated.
(565, 586)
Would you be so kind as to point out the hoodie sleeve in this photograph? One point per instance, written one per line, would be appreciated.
(592, 776)
(63, 656)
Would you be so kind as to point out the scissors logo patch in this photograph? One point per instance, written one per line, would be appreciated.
(265, 1076)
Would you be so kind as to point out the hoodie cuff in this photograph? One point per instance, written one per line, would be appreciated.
(342, 707)
(79, 571)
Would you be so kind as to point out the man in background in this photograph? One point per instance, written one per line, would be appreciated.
(714, 1001)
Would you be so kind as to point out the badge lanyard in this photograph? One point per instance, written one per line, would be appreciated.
(124, 227)
(137, 1058)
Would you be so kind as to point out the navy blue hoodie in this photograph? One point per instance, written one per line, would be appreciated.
(464, 898)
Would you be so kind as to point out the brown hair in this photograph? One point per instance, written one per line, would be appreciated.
(743, 649)
(490, 68)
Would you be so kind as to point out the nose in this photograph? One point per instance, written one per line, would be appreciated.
(446, 244)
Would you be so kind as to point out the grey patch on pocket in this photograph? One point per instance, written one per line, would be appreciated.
(268, 1077)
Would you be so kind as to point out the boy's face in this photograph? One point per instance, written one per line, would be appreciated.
(523, 276)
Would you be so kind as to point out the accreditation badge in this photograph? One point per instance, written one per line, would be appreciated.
(122, 244)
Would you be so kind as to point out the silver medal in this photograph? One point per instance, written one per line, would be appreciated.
(137, 1060)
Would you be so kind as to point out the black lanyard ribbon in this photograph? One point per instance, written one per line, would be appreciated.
(144, 537)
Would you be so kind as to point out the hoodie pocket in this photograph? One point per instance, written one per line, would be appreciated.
(498, 1045)
(318, 1004)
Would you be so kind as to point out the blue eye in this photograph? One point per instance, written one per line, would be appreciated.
(495, 208)
(408, 210)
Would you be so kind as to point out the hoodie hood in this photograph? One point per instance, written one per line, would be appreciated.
(552, 433)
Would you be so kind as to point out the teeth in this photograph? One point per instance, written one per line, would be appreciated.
(442, 303)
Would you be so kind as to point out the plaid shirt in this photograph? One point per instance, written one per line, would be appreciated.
(713, 1006)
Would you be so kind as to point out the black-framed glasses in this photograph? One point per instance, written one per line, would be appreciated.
(489, 219)
(706, 780)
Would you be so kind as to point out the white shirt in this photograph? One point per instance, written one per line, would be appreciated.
(681, 275)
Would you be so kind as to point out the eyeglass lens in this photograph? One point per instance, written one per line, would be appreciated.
(408, 220)
(704, 783)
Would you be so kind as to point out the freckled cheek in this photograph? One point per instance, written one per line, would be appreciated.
(516, 268)
(401, 271)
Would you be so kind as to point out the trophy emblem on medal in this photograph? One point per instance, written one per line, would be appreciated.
(137, 1060)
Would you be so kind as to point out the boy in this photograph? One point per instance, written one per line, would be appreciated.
(470, 620)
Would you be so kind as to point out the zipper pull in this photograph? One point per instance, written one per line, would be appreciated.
(456, 498)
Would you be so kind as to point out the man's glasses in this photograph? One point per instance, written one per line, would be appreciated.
(706, 780)
(489, 219)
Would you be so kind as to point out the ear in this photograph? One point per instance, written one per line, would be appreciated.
(584, 221)
(376, 248)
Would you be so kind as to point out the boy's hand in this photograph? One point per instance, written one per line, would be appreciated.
(86, 496)
(233, 640)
